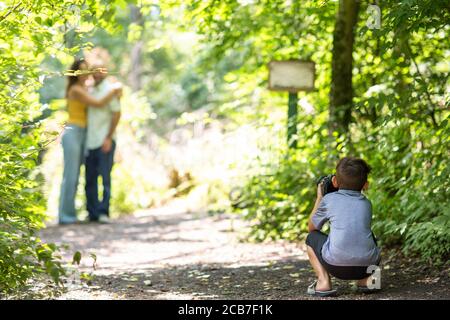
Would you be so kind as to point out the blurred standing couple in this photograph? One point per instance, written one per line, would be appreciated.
(93, 104)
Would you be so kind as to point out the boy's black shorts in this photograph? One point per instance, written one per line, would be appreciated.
(316, 240)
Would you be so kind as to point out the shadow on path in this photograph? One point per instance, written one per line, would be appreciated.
(169, 254)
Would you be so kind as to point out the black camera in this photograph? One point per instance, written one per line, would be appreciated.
(327, 185)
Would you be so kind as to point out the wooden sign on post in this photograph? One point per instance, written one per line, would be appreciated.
(292, 76)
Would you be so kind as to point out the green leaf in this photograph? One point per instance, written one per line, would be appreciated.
(76, 258)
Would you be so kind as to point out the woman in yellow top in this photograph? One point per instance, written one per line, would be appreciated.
(74, 135)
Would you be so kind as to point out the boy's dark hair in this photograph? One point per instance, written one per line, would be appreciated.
(351, 173)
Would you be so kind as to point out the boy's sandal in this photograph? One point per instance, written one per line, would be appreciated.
(320, 293)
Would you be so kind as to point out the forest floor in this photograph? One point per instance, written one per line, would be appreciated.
(168, 253)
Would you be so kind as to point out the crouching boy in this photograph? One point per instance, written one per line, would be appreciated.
(350, 247)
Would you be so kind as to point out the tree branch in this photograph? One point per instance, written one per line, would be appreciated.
(10, 11)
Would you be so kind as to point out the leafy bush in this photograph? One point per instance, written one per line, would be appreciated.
(29, 32)
(22, 254)
(409, 187)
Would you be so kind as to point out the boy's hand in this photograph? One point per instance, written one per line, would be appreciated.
(319, 191)
(311, 226)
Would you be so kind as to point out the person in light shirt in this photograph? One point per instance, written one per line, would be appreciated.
(74, 135)
(101, 145)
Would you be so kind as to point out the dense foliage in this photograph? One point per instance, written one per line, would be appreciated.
(399, 118)
(30, 31)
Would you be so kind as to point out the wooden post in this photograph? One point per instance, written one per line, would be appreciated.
(292, 120)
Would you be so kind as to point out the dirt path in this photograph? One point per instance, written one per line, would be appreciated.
(167, 253)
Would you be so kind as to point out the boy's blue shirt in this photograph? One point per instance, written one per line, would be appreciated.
(350, 241)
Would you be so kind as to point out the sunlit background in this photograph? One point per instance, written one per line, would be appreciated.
(188, 129)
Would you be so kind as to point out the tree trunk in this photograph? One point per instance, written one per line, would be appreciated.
(134, 76)
(400, 51)
(341, 94)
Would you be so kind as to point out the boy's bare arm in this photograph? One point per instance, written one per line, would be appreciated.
(311, 226)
